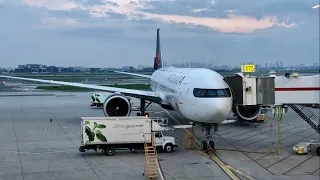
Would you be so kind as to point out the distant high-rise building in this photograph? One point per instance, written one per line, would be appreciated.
(281, 64)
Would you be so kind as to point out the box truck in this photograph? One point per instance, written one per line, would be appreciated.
(111, 133)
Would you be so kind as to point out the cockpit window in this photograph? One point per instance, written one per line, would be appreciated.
(206, 93)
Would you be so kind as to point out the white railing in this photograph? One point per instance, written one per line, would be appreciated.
(163, 122)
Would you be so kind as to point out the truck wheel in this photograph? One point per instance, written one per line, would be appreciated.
(168, 148)
(109, 151)
(82, 149)
(318, 151)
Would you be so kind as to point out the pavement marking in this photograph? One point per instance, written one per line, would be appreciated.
(220, 164)
(227, 169)
(240, 172)
(46, 152)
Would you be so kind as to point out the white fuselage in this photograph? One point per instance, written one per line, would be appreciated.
(185, 90)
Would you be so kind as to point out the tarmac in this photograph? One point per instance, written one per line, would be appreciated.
(32, 147)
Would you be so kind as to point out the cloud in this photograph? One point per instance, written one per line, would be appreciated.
(54, 4)
(56, 23)
(132, 10)
(199, 10)
(233, 24)
(231, 10)
(102, 33)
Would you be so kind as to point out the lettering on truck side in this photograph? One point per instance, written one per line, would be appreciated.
(128, 126)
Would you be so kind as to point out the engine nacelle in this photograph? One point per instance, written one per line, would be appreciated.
(117, 105)
(248, 113)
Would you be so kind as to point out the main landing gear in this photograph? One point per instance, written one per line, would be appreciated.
(143, 108)
(208, 145)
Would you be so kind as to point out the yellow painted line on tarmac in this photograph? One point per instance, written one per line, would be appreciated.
(221, 165)
(213, 157)
(226, 168)
(240, 172)
(209, 155)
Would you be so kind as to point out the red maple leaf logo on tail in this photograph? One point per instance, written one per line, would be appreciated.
(158, 59)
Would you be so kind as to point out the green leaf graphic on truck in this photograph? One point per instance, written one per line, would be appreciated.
(100, 136)
(95, 132)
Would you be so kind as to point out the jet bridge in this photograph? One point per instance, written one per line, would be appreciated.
(294, 91)
(250, 94)
(299, 93)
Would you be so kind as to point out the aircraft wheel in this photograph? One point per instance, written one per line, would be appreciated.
(318, 151)
(204, 145)
(211, 144)
(138, 114)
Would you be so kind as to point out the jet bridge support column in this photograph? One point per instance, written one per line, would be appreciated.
(278, 111)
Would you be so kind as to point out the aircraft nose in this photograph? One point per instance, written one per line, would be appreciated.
(216, 110)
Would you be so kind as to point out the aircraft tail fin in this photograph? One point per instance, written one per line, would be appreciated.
(158, 58)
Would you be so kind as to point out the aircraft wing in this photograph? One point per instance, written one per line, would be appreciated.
(134, 74)
(148, 95)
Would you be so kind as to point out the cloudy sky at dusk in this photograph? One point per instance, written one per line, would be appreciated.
(115, 33)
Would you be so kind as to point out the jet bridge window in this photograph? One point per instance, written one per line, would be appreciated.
(207, 93)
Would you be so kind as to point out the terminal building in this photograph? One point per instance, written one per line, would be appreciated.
(36, 68)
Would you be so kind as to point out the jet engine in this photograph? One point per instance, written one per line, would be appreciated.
(248, 113)
(117, 105)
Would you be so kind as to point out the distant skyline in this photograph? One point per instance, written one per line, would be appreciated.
(117, 33)
(277, 64)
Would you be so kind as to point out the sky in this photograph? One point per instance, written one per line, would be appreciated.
(116, 33)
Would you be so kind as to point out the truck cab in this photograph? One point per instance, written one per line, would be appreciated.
(164, 143)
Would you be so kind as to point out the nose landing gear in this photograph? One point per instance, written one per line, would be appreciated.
(208, 145)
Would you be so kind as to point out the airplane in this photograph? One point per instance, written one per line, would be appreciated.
(200, 95)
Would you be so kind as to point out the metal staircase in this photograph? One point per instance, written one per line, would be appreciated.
(306, 114)
(151, 165)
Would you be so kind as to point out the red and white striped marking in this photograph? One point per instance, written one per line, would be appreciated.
(298, 89)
